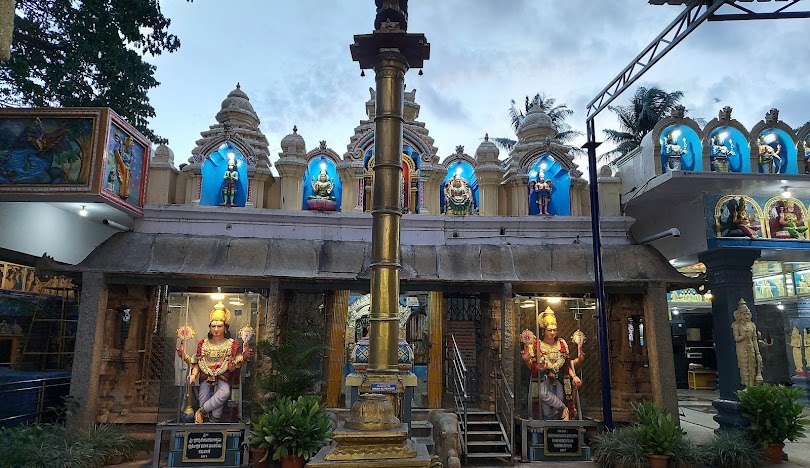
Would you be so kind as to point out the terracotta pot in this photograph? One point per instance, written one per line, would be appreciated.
(258, 457)
(658, 461)
(292, 462)
(773, 453)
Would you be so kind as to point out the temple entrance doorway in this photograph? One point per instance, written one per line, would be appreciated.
(463, 314)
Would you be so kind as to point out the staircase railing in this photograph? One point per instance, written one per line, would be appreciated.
(505, 409)
(459, 381)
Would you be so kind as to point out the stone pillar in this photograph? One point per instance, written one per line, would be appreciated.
(658, 341)
(291, 171)
(434, 187)
(160, 188)
(436, 357)
(337, 304)
(579, 191)
(258, 188)
(489, 184)
(84, 380)
(610, 193)
(510, 351)
(352, 179)
(517, 195)
(193, 178)
(730, 279)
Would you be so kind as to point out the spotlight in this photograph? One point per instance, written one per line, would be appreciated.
(218, 296)
(553, 300)
(675, 311)
(786, 192)
(83, 212)
(780, 306)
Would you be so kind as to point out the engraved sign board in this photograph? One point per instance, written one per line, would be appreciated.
(208, 446)
(384, 387)
(562, 441)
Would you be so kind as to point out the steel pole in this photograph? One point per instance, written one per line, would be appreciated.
(599, 282)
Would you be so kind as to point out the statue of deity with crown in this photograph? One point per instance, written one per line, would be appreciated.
(720, 153)
(543, 187)
(230, 178)
(322, 198)
(458, 196)
(553, 375)
(769, 159)
(674, 151)
(216, 358)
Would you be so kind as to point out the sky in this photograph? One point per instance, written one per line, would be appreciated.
(292, 59)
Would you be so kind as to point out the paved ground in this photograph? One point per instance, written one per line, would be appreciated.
(696, 421)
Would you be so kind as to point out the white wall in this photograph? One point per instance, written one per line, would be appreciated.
(38, 228)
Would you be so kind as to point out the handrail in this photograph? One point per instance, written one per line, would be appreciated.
(39, 386)
(505, 409)
(459, 376)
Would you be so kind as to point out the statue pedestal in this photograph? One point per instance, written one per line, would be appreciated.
(554, 440)
(371, 449)
(404, 397)
(212, 444)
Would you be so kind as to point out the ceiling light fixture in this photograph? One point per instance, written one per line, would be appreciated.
(786, 192)
(675, 311)
(83, 212)
(218, 296)
(553, 300)
(780, 306)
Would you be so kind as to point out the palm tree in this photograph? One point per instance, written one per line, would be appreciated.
(559, 113)
(648, 106)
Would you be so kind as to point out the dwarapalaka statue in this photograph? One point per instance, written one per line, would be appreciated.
(552, 372)
(216, 358)
(543, 189)
(749, 360)
(458, 196)
(231, 177)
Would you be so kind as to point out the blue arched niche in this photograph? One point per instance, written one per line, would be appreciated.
(560, 202)
(785, 147)
(681, 138)
(465, 170)
(213, 171)
(410, 178)
(316, 165)
(736, 147)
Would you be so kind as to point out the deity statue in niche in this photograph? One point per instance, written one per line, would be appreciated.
(553, 375)
(720, 152)
(807, 346)
(769, 159)
(230, 178)
(749, 360)
(543, 189)
(674, 151)
(323, 188)
(806, 157)
(458, 196)
(742, 220)
(786, 221)
(216, 358)
(796, 347)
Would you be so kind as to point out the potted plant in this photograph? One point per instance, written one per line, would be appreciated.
(619, 449)
(732, 449)
(688, 454)
(658, 435)
(292, 430)
(774, 415)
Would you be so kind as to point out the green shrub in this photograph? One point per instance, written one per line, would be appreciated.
(294, 361)
(619, 448)
(774, 413)
(657, 431)
(292, 428)
(47, 446)
(732, 450)
(688, 453)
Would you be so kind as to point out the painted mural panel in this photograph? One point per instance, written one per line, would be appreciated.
(459, 194)
(549, 189)
(46, 151)
(125, 167)
(777, 152)
(680, 149)
(770, 287)
(729, 150)
(687, 296)
(801, 281)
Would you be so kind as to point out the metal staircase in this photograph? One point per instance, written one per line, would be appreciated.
(482, 433)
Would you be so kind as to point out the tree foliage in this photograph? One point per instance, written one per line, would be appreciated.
(87, 53)
(646, 108)
(559, 114)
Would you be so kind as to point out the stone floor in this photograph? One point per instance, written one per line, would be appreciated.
(696, 414)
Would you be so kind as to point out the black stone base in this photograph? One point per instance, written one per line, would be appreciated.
(729, 415)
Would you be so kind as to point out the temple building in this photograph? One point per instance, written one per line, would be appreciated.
(493, 251)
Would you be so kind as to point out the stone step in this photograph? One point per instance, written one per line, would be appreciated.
(488, 455)
(486, 443)
(470, 433)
